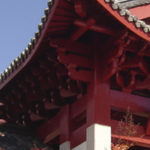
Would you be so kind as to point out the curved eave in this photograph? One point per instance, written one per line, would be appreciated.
(130, 25)
(35, 48)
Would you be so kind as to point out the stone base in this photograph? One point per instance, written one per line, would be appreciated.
(98, 137)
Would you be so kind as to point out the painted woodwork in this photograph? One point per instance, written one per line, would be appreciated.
(87, 64)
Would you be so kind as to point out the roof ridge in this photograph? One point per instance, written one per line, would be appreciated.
(131, 3)
(131, 18)
(26, 52)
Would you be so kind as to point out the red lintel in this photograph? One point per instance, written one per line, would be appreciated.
(139, 141)
(135, 103)
(94, 27)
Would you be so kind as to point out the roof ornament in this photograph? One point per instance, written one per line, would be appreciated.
(50, 3)
(1, 78)
(46, 11)
(115, 6)
(37, 35)
(27, 51)
(13, 65)
(40, 27)
(147, 28)
(29, 48)
(20, 59)
(43, 19)
(23, 54)
(9, 69)
(17, 62)
(33, 41)
(6, 72)
(123, 12)
(107, 1)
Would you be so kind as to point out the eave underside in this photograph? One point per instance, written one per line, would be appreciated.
(62, 66)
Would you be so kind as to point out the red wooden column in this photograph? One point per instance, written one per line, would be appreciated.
(98, 98)
(64, 127)
(98, 110)
(98, 104)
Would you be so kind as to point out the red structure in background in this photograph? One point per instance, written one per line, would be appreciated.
(87, 64)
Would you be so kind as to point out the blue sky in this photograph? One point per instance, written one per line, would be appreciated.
(19, 20)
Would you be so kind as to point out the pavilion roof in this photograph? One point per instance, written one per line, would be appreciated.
(121, 6)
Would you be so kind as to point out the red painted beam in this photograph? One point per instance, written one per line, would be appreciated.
(94, 27)
(123, 100)
(141, 12)
(139, 141)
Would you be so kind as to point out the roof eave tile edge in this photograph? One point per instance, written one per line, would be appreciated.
(24, 54)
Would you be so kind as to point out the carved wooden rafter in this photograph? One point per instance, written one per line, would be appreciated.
(111, 54)
(94, 27)
(134, 63)
(76, 57)
(81, 30)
